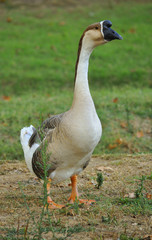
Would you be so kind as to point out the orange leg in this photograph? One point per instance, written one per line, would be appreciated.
(74, 195)
(52, 205)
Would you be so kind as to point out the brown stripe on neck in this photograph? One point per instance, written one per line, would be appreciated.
(92, 26)
(78, 56)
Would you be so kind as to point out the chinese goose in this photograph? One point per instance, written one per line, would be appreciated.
(71, 136)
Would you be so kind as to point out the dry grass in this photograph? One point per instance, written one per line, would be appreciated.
(108, 217)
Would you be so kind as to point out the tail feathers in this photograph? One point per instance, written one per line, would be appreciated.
(28, 137)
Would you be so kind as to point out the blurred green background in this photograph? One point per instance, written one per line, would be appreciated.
(38, 51)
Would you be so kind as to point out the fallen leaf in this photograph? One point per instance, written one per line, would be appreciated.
(115, 100)
(53, 48)
(147, 237)
(132, 30)
(101, 168)
(123, 124)
(62, 23)
(6, 98)
(112, 146)
(148, 196)
(8, 20)
(119, 141)
(140, 134)
(4, 124)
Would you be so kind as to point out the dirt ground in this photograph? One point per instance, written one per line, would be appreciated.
(106, 218)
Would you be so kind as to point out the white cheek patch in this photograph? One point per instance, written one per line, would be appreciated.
(101, 23)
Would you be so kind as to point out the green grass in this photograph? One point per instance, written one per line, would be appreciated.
(38, 53)
(140, 204)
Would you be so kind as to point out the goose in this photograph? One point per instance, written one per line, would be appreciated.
(72, 136)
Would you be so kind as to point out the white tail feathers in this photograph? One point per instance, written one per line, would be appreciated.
(25, 136)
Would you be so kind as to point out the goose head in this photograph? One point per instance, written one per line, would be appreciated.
(99, 33)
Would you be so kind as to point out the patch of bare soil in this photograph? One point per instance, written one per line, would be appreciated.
(107, 218)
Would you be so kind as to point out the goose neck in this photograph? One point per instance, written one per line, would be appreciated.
(81, 78)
